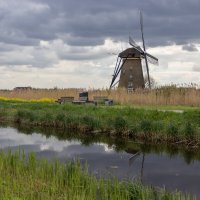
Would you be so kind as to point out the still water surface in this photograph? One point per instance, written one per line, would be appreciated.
(157, 169)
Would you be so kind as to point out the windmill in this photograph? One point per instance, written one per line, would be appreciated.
(129, 66)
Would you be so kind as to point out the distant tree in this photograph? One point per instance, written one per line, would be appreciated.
(153, 82)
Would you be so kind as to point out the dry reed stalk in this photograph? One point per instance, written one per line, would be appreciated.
(160, 96)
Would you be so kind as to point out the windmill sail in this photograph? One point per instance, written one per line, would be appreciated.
(129, 66)
(132, 42)
(117, 71)
(114, 76)
(152, 57)
(134, 45)
(152, 60)
(144, 48)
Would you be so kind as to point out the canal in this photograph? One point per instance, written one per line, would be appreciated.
(167, 167)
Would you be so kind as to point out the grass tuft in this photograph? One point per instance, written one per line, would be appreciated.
(120, 124)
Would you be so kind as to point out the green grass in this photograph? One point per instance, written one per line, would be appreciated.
(123, 121)
(166, 107)
(23, 177)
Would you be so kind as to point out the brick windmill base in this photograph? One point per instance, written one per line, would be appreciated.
(131, 76)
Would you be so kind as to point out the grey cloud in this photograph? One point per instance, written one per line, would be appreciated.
(82, 41)
(189, 47)
(81, 54)
(28, 56)
(16, 38)
(165, 21)
(89, 23)
(67, 52)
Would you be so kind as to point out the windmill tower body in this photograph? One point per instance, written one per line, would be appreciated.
(131, 76)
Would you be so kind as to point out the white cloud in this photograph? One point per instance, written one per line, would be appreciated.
(54, 63)
(176, 65)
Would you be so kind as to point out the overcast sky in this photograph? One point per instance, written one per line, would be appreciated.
(71, 43)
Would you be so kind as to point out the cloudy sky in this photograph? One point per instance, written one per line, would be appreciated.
(68, 43)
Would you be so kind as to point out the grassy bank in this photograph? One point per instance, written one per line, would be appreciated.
(28, 178)
(121, 121)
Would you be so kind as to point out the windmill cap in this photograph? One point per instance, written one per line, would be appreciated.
(130, 53)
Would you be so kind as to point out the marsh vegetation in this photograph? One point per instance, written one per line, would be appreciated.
(151, 126)
(140, 116)
(185, 95)
(25, 177)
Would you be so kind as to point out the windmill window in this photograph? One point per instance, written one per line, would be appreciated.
(131, 68)
(130, 76)
(130, 84)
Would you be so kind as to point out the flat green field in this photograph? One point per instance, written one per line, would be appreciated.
(168, 107)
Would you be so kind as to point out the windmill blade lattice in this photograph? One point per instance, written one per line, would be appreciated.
(152, 59)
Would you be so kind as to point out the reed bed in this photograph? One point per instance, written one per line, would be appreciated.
(161, 96)
(166, 95)
(23, 177)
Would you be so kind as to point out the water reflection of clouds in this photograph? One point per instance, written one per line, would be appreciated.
(10, 137)
(107, 148)
(159, 169)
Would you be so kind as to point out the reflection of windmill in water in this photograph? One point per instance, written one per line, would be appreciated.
(130, 65)
(135, 155)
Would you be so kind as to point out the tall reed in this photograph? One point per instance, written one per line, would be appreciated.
(166, 95)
